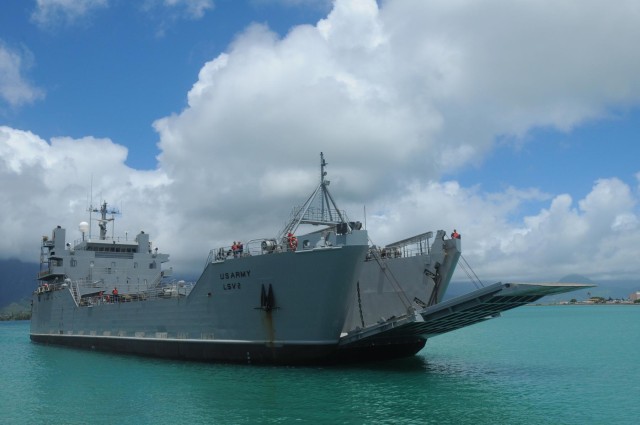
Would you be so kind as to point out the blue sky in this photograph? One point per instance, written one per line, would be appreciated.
(135, 64)
(203, 120)
(567, 161)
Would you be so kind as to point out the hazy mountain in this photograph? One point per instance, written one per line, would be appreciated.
(605, 288)
(17, 280)
(576, 278)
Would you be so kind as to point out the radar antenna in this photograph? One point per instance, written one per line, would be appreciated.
(103, 220)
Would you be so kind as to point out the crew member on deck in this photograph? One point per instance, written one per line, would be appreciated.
(115, 294)
(293, 241)
(455, 234)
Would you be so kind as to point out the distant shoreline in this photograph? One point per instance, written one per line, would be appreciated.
(582, 304)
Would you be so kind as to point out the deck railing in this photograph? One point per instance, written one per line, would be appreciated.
(417, 245)
(156, 293)
(96, 294)
(252, 248)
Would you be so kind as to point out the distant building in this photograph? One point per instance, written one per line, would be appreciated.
(595, 300)
(634, 296)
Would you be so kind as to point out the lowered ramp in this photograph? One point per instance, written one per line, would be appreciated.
(474, 307)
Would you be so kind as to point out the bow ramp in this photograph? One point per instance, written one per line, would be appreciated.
(474, 307)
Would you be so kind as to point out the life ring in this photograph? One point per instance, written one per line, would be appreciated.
(293, 243)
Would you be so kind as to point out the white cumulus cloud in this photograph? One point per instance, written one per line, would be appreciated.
(55, 12)
(15, 89)
(49, 183)
(395, 94)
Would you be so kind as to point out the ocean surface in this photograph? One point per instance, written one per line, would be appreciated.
(534, 365)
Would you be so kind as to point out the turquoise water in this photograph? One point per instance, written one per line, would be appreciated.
(534, 365)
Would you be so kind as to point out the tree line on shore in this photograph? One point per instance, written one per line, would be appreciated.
(20, 315)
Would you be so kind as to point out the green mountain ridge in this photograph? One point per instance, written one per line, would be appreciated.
(17, 281)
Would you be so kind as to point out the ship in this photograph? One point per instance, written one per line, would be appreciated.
(399, 301)
(281, 300)
(317, 292)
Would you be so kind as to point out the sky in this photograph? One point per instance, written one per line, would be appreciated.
(202, 121)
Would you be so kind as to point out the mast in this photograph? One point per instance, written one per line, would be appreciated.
(326, 213)
(103, 220)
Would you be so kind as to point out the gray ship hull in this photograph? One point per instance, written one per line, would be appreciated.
(195, 350)
(286, 307)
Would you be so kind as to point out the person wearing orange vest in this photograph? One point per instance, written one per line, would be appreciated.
(293, 241)
(455, 234)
